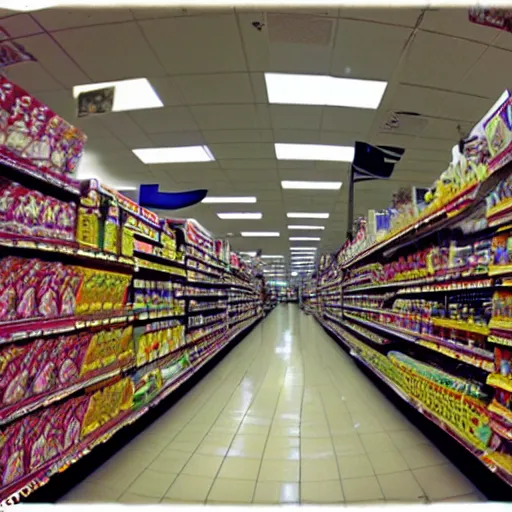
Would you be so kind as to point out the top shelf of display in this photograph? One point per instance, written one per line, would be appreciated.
(37, 142)
(469, 178)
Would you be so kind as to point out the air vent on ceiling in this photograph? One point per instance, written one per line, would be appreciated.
(289, 28)
(405, 123)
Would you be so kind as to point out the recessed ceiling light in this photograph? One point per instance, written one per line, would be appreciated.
(322, 90)
(303, 249)
(305, 238)
(174, 155)
(227, 200)
(122, 188)
(250, 253)
(301, 256)
(133, 94)
(272, 256)
(239, 216)
(314, 152)
(304, 227)
(311, 185)
(299, 215)
(260, 233)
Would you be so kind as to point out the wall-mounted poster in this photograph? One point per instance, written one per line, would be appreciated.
(95, 102)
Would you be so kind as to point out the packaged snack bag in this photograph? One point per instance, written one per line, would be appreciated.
(12, 453)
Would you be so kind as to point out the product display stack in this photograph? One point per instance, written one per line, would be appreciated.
(105, 308)
(421, 295)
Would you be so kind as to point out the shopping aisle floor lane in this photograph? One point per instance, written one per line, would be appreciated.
(286, 417)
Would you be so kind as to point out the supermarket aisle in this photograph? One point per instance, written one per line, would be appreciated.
(285, 417)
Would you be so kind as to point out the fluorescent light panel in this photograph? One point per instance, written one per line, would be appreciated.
(228, 200)
(304, 227)
(307, 249)
(304, 215)
(305, 238)
(260, 234)
(311, 185)
(250, 253)
(133, 94)
(240, 216)
(322, 90)
(314, 152)
(272, 256)
(174, 155)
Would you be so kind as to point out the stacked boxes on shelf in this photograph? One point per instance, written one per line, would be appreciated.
(105, 308)
(426, 305)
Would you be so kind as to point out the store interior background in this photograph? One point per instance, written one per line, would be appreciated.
(207, 66)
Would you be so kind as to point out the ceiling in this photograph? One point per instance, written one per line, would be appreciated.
(208, 68)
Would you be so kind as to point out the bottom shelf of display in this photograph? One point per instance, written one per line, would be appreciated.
(439, 400)
(15, 492)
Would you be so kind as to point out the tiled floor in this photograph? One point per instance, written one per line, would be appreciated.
(286, 417)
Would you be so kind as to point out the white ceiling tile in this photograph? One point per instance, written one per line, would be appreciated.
(477, 80)
(92, 49)
(92, 126)
(503, 40)
(54, 59)
(120, 123)
(32, 77)
(210, 89)
(443, 129)
(296, 164)
(315, 175)
(61, 102)
(58, 18)
(297, 136)
(347, 119)
(340, 138)
(249, 164)
(216, 117)
(430, 143)
(454, 58)
(21, 25)
(196, 44)
(162, 120)
(422, 154)
(455, 22)
(392, 16)
(365, 59)
(254, 176)
(296, 116)
(177, 139)
(134, 140)
(259, 87)
(105, 145)
(219, 136)
(243, 150)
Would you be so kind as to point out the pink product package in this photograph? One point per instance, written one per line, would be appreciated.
(43, 366)
(12, 453)
(30, 213)
(34, 136)
(33, 289)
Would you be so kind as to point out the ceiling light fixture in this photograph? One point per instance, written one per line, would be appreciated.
(250, 253)
(133, 94)
(260, 234)
(305, 238)
(228, 200)
(303, 249)
(184, 154)
(240, 216)
(322, 90)
(306, 227)
(314, 152)
(295, 274)
(311, 185)
(272, 256)
(300, 215)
